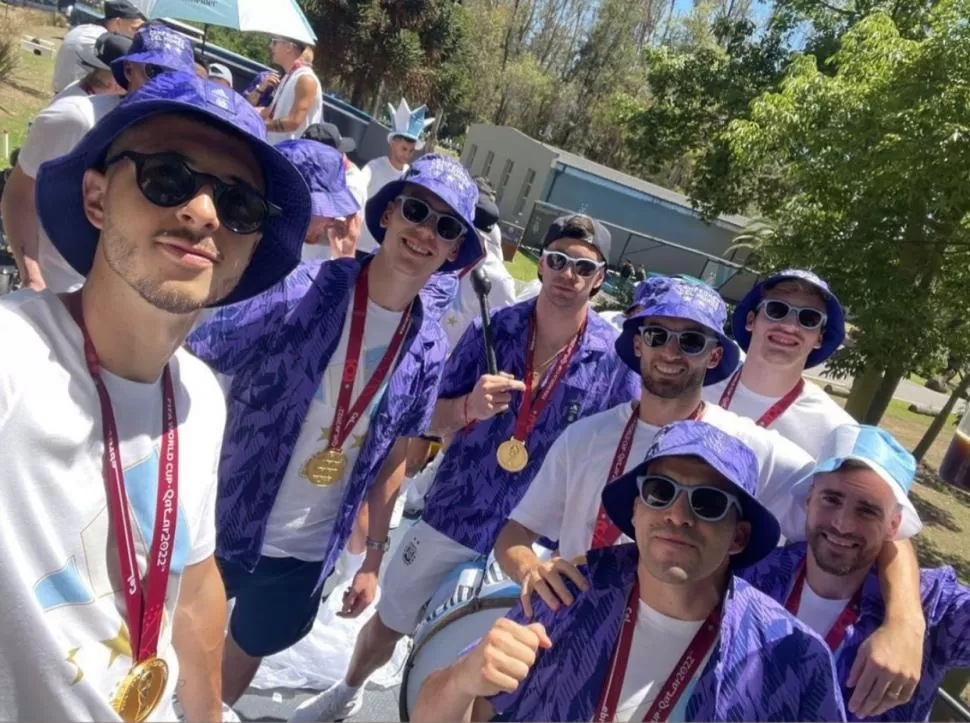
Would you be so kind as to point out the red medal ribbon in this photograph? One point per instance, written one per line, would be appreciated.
(345, 417)
(606, 533)
(673, 688)
(774, 411)
(144, 602)
(531, 408)
(848, 616)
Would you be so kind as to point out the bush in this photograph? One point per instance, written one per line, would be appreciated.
(10, 31)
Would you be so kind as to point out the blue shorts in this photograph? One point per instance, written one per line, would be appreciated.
(275, 603)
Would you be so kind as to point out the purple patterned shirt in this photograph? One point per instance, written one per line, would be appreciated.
(472, 496)
(765, 666)
(277, 347)
(946, 604)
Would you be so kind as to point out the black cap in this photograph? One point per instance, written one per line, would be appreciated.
(486, 213)
(583, 228)
(329, 135)
(111, 46)
(121, 9)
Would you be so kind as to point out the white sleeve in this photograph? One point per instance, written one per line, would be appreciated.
(55, 132)
(543, 507)
(204, 539)
(782, 463)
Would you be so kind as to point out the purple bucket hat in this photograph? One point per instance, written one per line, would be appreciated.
(728, 455)
(832, 335)
(59, 193)
(322, 167)
(448, 180)
(155, 44)
(666, 296)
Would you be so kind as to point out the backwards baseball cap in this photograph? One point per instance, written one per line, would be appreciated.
(870, 447)
(582, 227)
(218, 71)
(727, 455)
(121, 10)
(155, 44)
(486, 213)
(665, 296)
(448, 180)
(329, 134)
(60, 202)
(832, 335)
(322, 167)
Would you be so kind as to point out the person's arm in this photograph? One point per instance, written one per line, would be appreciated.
(22, 227)
(198, 633)
(950, 628)
(303, 95)
(889, 663)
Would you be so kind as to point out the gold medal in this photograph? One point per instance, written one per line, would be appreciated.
(141, 690)
(324, 468)
(512, 455)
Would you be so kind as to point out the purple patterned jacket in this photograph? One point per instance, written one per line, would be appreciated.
(765, 666)
(277, 346)
(472, 496)
(946, 604)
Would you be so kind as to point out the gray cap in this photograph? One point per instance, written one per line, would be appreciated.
(218, 71)
(582, 227)
(121, 9)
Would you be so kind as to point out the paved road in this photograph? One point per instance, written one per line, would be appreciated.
(907, 391)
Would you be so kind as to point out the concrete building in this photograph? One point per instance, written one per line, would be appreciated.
(651, 225)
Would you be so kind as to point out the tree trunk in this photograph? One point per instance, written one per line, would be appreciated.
(937, 424)
(884, 394)
(863, 388)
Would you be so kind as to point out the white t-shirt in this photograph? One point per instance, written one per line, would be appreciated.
(564, 498)
(54, 133)
(818, 613)
(74, 90)
(304, 513)
(374, 176)
(658, 643)
(67, 64)
(807, 422)
(64, 642)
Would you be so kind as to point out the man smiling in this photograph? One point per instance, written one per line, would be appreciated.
(331, 369)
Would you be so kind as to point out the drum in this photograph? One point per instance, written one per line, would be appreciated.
(467, 604)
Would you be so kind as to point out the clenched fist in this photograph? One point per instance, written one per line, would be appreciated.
(492, 395)
(502, 659)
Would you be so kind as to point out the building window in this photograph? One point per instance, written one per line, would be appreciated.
(473, 149)
(530, 178)
(506, 172)
(487, 168)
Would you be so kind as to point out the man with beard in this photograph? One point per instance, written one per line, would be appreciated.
(856, 500)
(676, 345)
(110, 431)
(665, 630)
(556, 365)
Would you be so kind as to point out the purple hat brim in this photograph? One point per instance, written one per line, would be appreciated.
(832, 337)
(60, 205)
(336, 204)
(624, 344)
(472, 249)
(620, 496)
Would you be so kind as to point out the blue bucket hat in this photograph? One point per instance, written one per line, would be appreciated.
(728, 455)
(665, 296)
(832, 335)
(156, 44)
(871, 447)
(448, 180)
(322, 167)
(59, 195)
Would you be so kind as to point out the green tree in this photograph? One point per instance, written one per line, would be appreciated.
(862, 169)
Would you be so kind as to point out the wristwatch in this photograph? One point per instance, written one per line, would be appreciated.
(382, 546)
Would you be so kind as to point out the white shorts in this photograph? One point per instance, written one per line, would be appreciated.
(422, 560)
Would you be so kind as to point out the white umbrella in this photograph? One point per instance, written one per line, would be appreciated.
(274, 17)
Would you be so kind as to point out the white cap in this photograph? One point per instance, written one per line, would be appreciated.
(218, 71)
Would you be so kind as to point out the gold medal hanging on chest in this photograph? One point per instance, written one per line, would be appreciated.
(140, 692)
(512, 455)
(325, 467)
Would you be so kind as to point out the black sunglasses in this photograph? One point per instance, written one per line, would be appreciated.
(558, 261)
(166, 180)
(691, 342)
(415, 211)
(709, 504)
(808, 318)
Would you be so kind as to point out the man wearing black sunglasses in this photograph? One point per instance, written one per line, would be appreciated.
(110, 431)
(331, 371)
(676, 344)
(555, 365)
(665, 630)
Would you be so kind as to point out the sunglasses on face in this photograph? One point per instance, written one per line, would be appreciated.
(166, 180)
(558, 261)
(709, 504)
(690, 342)
(808, 318)
(448, 228)
(153, 71)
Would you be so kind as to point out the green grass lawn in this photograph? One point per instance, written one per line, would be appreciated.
(522, 267)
